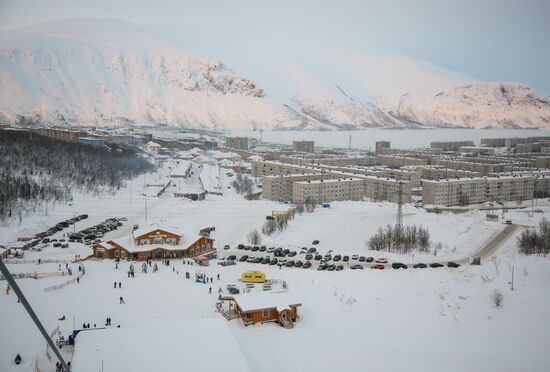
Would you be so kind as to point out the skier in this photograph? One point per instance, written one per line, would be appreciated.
(114, 286)
(8, 288)
(122, 300)
(17, 359)
(119, 285)
(218, 276)
(210, 290)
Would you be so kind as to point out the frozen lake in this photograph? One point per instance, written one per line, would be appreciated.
(406, 138)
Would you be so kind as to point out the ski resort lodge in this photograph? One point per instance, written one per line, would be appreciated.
(154, 242)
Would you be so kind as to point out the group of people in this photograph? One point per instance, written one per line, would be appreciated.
(59, 366)
(119, 285)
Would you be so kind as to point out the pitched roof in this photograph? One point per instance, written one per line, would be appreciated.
(153, 227)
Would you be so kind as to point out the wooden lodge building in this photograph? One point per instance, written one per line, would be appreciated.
(254, 308)
(154, 242)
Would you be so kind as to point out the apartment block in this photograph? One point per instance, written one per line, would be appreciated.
(237, 143)
(466, 191)
(380, 188)
(396, 161)
(451, 145)
(381, 145)
(303, 146)
(325, 191)
(279, 188)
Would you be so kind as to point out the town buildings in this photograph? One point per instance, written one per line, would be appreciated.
(303, 146)
(237, 143)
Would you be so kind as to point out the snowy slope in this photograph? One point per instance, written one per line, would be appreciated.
(68, 74)
(105, 72)
(477, 105)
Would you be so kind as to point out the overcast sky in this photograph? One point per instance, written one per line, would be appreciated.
(491, 40)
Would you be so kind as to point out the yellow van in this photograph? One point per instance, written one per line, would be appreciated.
(253, 277)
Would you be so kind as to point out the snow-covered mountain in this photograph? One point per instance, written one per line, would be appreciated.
(104, 72)
(477, 105)
(66, 73)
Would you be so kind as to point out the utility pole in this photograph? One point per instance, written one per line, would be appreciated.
(146, 209)
(512, 282)
(31, 313)
(399, 218)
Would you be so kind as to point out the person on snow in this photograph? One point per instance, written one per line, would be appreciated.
(122, 300)
(210, 290)
(8, 288)
(17, 359)
(62, 318)
(119, 285)
(114, 286)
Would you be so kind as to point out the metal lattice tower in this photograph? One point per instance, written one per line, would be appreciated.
(399, 218)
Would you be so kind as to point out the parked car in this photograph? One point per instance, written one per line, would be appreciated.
(312, 250)
(345, 258)
(286, 251)
(306, 265)
(243, 258)
(331, 267)
(399, 265)
(377, 267)
(289, 263)
(508, 222)
(419, 266)
(337, 258)
(315, 242)
(263, 248)
(355, 257)
(356, 267)
(298, 263)
(255, 248)
(370, 259)
(226, 247)
(233, 290)
(56, 245)
(265, 260)
(271, 250)
(339, 267)
(318, 257)
(381, 260)
(436, 264)
(322, 267)
(247, 248)
(452, 264)
(232, 257)
(362, 259)
(309, 256)
(240, 246)
(292, 253)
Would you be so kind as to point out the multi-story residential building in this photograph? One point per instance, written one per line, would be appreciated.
(237, 143)
(465, 191)
(397, 161)
(325, 191)
(451, 145)
(303, 146)
(381, 145)
(382, 188)
(62, 134)
(279, 188)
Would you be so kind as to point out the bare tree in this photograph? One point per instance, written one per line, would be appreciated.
(254, 237)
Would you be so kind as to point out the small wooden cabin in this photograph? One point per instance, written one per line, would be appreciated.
(254, 308)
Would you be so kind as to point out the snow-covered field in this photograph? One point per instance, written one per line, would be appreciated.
(390, 320)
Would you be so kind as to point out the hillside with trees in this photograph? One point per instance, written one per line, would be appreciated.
(35, 170)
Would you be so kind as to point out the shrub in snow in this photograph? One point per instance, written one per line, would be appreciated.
(533, 241)
(497, 297)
